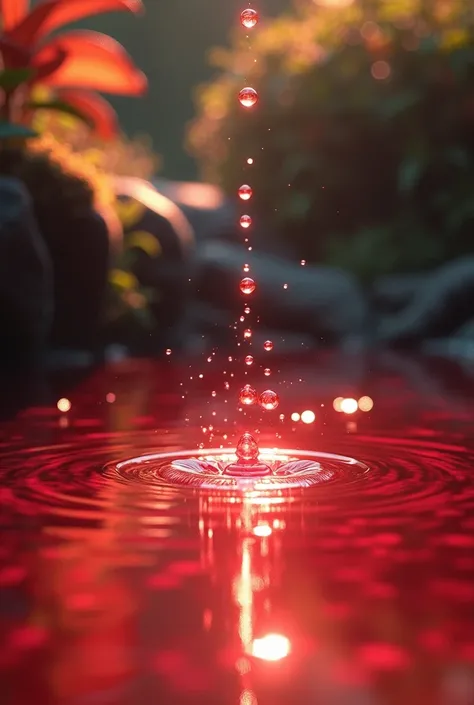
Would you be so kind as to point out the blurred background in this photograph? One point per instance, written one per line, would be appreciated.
(361, 164)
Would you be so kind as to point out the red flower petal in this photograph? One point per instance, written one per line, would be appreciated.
(94, 107)
(94, 61)
(12, 12)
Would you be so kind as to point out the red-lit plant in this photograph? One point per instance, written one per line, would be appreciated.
(74, 65)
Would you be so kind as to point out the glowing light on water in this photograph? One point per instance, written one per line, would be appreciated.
(248, 395)
(64, 405)
(272, 647)
(269, 400)
(245, 192)
(249, 360)
(336, 405)
(268, 345)
(262, 530)
(295, 416)
(365, 404)
(248, 97)
(245, 221)
(308, 416)
(247, 285)
(249, 18)
(349, 406)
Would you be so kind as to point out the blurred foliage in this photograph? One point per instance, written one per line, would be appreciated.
(363, 139)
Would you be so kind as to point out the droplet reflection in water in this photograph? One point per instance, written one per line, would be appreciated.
(269, 400)
(249, 18)
(247, 285)
(248, 97)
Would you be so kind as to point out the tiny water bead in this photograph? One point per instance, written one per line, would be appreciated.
(248, 395)
(247, 285)
(246, 267)
(269, 400)
(248, 97)
(248, 360)
(247, 309)
(303, 262)
(249, 18)
(247, 333)
(268, 345)
(168, 351)
(267, 372)
(245, 221)
(245, 192)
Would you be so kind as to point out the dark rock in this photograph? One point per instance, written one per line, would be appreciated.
(322, 301)
(26, 299)
(168, 273)
(441, 305)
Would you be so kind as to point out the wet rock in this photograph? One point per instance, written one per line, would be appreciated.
(440, 306)
(322, 301)
(26, 285)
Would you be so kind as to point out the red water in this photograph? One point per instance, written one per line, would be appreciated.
(114, 593)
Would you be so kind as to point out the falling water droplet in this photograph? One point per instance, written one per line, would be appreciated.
(248, 97)
(247, 448)
(168, 351)
(227, 385)
(248, 395)
(250, 161)
(242, 319)
(267, 372)
(246, 267)
(247, 309)
(247, 285)
(245, 221)
(268, 345)
(245, 192)
(249, 18)
(303, 262)
(269, 400)
(285, 286)
(249, 360)
(247, 333)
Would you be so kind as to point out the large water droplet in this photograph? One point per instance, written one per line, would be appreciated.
(245, 221)
(249, 360)
(249, 18)
(248, 395)
(269, 400)
(245, 192)
(247, 448)
(268, 345)
(247, 285)
(248, 97)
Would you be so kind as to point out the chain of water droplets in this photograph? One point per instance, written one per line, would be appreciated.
(268, 399)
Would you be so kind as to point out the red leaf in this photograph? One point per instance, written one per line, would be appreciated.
(94, 107)
(14, 56)
(94, 61)
(50, 64)
(51, 14)
(12, 12)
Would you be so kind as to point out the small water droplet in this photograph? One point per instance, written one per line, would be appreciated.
(303, 262)
(168, 351)
(247, 448)
(230, 358)
(209, 359)
(245, 192)
(269, 400)
(64, 405)
(285, 286)
(247, 309)
(250, 160)
(249, 360)
(247, 333)
(214, 394)
(248, 395)
(249, 18)
(245, 221)
(248, 97)
(227, 385)
(246, 267)
(242, 319)
(267, 372)
(268, 345)
(247, 285)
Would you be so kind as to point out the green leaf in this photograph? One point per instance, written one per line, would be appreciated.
(8, 130)
(13, 78)
(60, 106)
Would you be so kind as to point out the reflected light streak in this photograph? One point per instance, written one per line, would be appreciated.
(272, 647)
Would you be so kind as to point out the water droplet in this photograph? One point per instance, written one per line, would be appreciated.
(247, 285)
(227, 385)
(245, 221)
(267, 372)
(214, 394)
(248, 97)
(250, 160)
(242, 319)
(249, 18)
(247, 333)
(285, 286)
(230, 358)
(246, 267)
(248, 395)
(303, 262)
(268, 345)
(168, 351)
(308, 416)
(247, 448)
(249, 360)
(247, 309)
(245, 192)
(209, 359)
(64, 405)
(269, 400)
